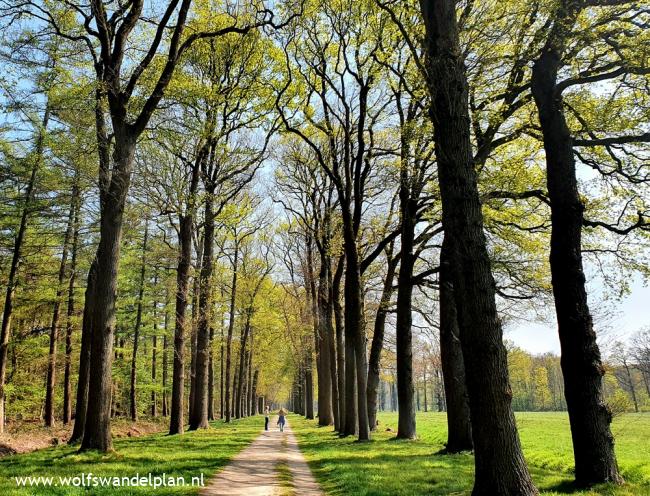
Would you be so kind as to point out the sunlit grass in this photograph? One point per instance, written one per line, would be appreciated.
(188, 455)
(391, 467)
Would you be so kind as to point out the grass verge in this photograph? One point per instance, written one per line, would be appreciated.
(190, 455)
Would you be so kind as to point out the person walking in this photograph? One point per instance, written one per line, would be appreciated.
(281, 419)
(266, 418)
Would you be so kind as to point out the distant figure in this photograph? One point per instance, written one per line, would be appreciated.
(266, 418)
(281, 419)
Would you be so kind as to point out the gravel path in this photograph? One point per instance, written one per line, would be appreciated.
(253, 472)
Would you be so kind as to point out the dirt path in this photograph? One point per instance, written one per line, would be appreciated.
(254, 471)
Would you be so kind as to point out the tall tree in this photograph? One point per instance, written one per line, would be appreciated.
(500, 468)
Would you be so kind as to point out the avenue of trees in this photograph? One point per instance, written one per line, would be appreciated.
(339, 206)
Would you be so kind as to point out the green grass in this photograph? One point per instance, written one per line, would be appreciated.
(189, 455)
(387, 466)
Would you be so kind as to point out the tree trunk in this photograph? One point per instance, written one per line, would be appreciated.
(354, 325)
(374, 361)
(199, 413)
(254, 410)
(231, 327)
(154, 353)
(165, 366)
(211, 377)
(97, 433)
(593, 443)
(48, 413)
(340, 351)
(249, 410)
(81, 405)
(138, 324)
(67, 376)
(351, 427)
(403, 327)
(242, 359)
(221, 374)
(15, 262)
(177, 421)
(500, 468)
(459, 427)
(325, 331)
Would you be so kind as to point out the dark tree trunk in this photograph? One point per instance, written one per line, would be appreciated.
(350, 428)
(254, 401)
(231, 328)
(165, 366)
(323, 337)
(48, 413)
(242, 361)
(221, 375)
(403, 327)
(249, 388)
(154, 355)
(199, 412)
(355, 333)
(67, 376)
(500, 468)
(211, 377)
(177, 421)
(133, 397)
(593, 443)
(374, 361)
(196, 291)
(81, 405)
(97, 432)
(15, 262)
(459, 427)
(340, 351)
(185, 232)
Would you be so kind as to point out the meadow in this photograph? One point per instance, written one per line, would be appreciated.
(386, 466)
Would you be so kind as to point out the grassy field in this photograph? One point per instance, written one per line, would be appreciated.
(390, 467)
(189, 455)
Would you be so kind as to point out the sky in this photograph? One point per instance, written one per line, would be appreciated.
(632, 314)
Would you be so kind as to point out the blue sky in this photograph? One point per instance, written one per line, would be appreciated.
(632, 314)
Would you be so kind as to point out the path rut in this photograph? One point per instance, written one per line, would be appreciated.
(253, 472)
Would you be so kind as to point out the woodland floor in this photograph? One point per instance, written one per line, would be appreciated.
(27, 436)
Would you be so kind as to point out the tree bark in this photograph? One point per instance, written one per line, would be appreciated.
(154, 355)
(340, 351)
(199, 412)
(403, 329)
(48, 412)
(374, 361)
(231, 328)
(138, 323)
(97, 432)
(177, 421)
(242, 360)
(459, 427)
(81, 405)
(323, 337)
(500, 468)
(254, 401)
(67, 376)
(355, 332)
(211, 377)
(593, 442)
(165, 366)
